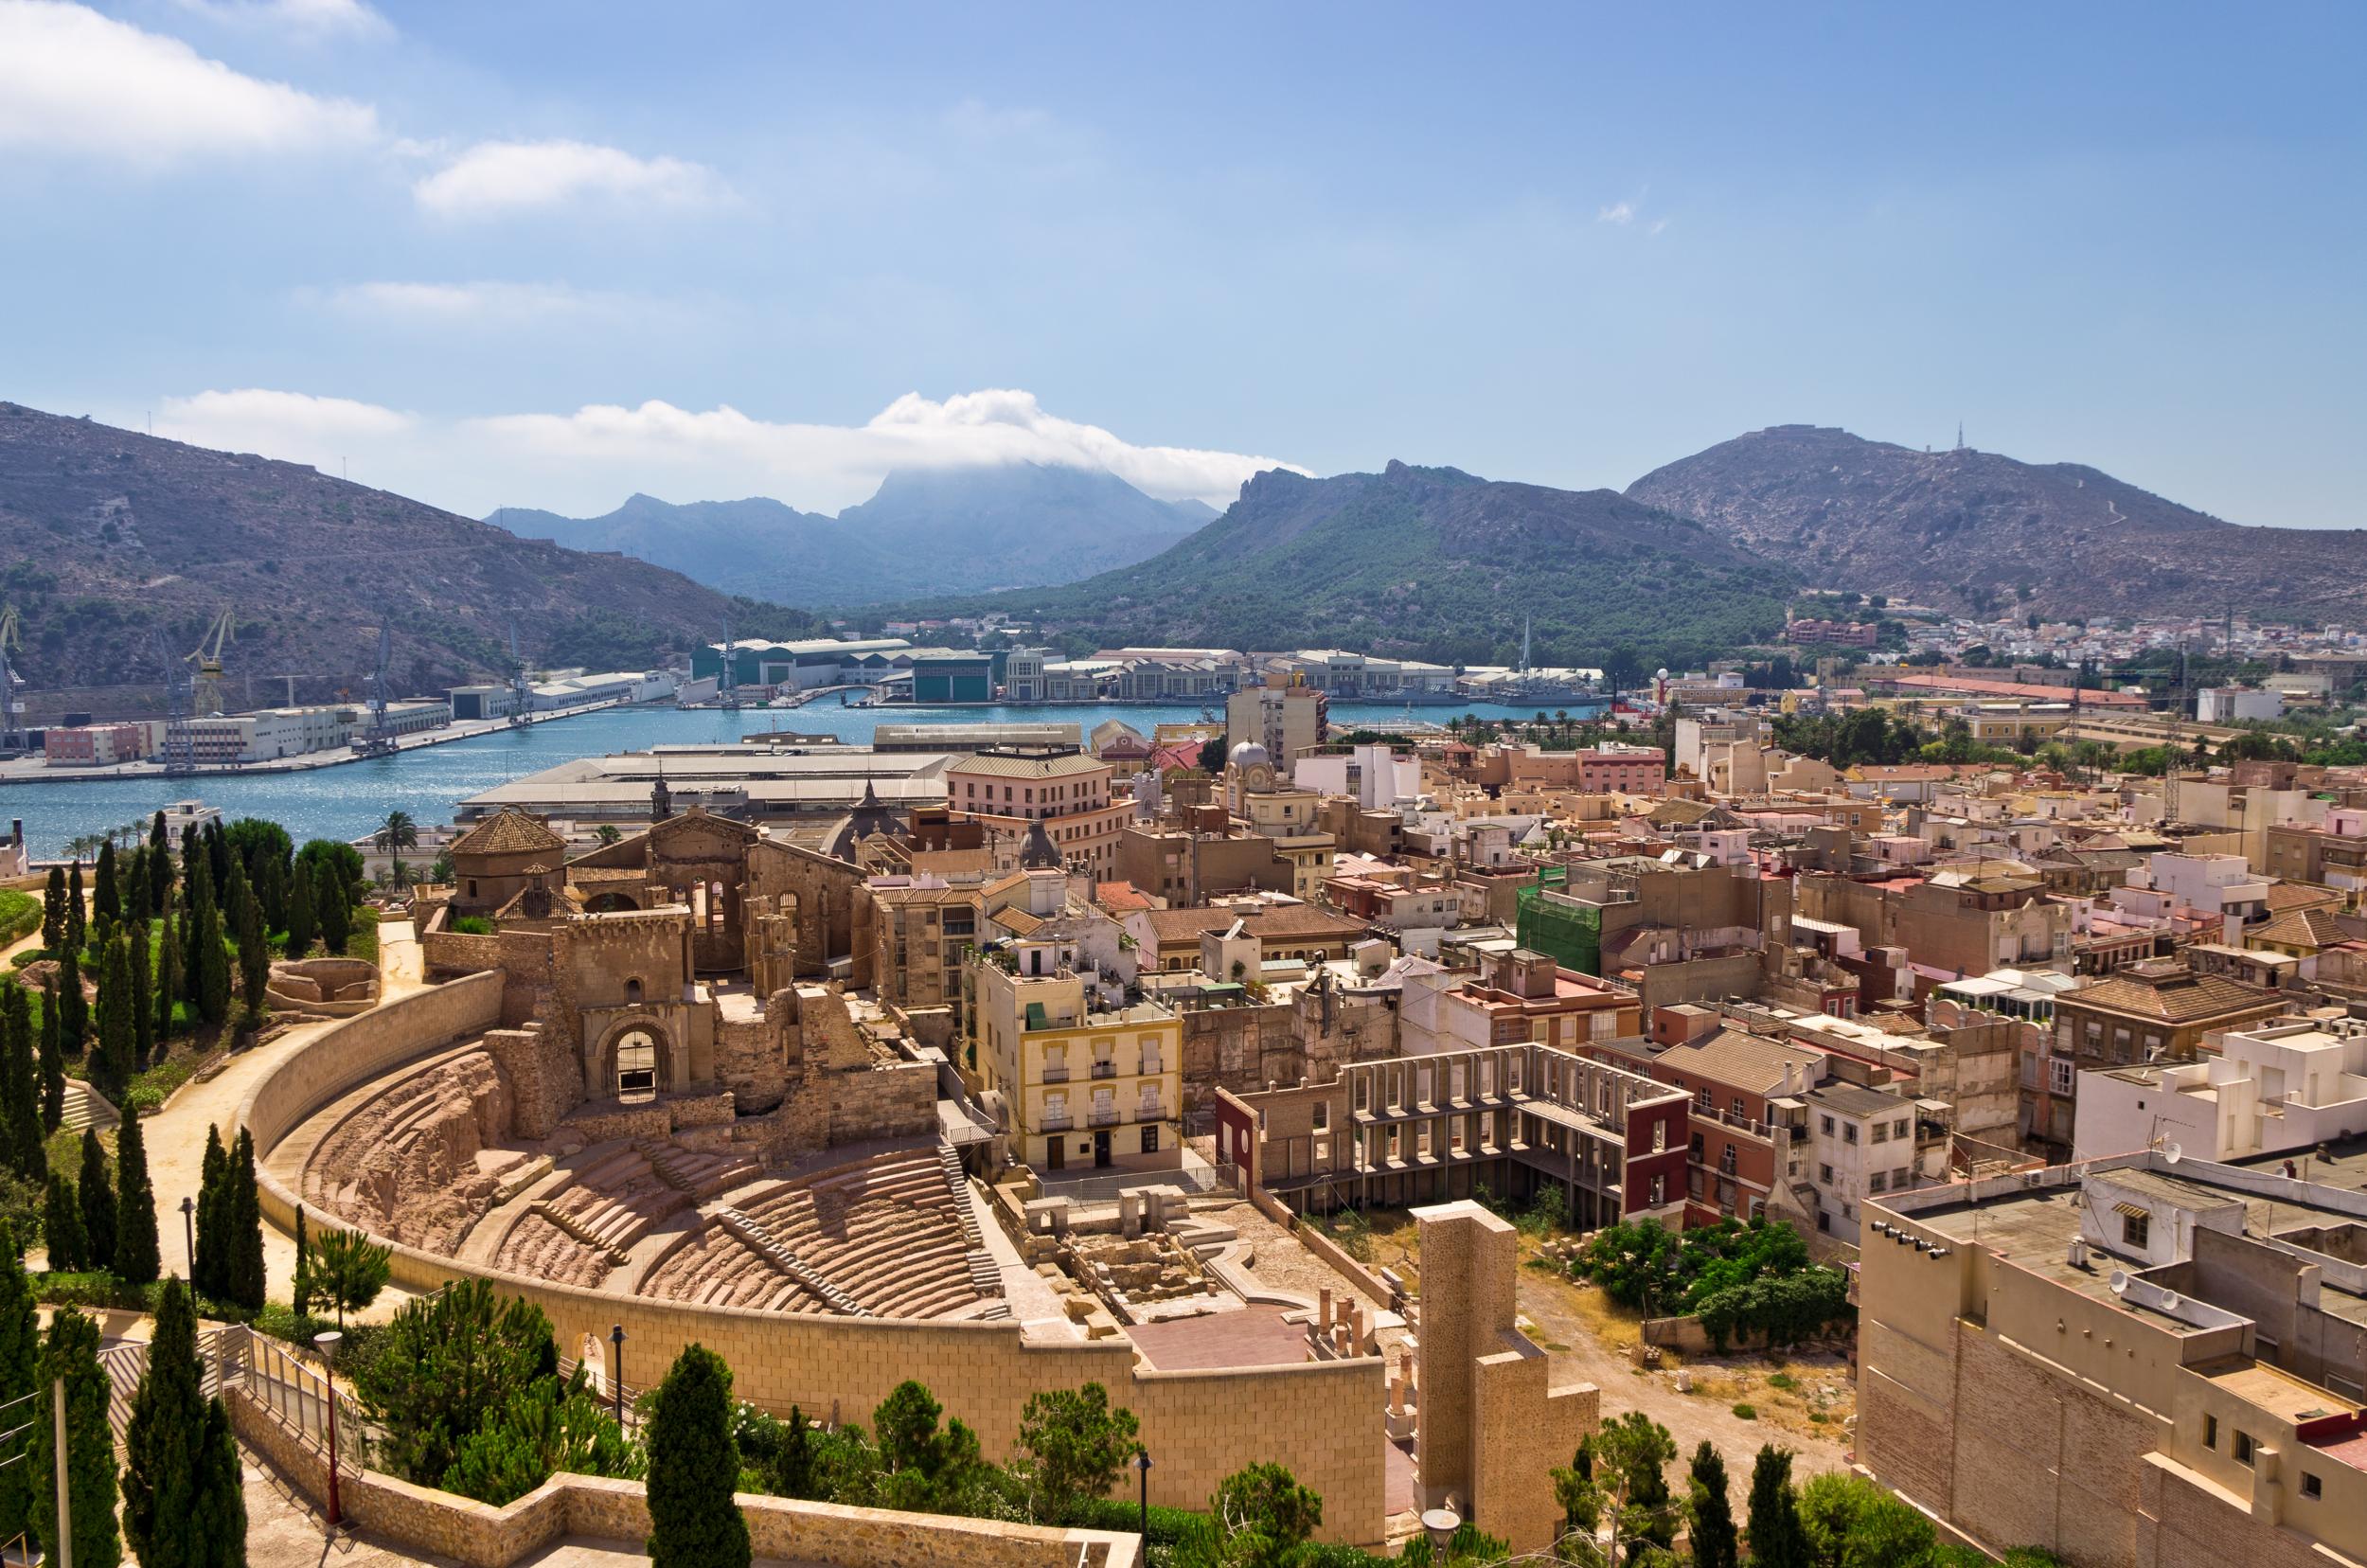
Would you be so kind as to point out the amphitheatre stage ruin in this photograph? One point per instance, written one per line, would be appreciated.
(635, 1091)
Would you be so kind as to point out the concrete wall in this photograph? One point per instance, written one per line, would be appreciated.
(1323, 1420)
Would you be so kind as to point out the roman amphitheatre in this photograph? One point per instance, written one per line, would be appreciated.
(633, 1090)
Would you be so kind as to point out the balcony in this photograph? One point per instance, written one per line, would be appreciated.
(1056, 1074)
(1104, 1118)
(1060, 1122)
(1104, 1069)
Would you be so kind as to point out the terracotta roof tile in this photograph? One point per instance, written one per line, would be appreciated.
(509, 831)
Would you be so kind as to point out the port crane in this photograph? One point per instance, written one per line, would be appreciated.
(379, 738)
(11, 711)
(206, 662)
(521, 690)
(180, 754)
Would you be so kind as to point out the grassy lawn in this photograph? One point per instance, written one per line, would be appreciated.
(20, 915)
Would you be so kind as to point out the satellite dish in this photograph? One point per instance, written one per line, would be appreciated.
(2118, 1282)
(2174, 1153)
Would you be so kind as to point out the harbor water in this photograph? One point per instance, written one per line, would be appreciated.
(351, 799)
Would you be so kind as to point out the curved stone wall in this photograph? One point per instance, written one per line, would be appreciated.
(1325, 1420)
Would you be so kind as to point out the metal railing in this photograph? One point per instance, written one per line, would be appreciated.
(1056, 1074)
(1104, 1118)
(1104, 1069)
(1060, 1123)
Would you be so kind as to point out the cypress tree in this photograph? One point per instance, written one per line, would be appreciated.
(106, 897)
(254, 962)
(89, 1460)
(198, 901)
(167, 989)
(217, 854)
(73, 1007)
(143, 1002)
(159, 866)
(193, 866)
(1776, 1538)
(135, 905)
(76, 916)
(52, 1059)
(62, 1227)
(694, 1465)
(332, 906)
(20, 1362)
(53, 912)
(110, 1065)
(97, 1195)
(270, 886)
(207, 1271)
(301, 1291)
(300, 922)
(136, 1258)
(20, 1088)
(181, 1505)
(247, 1282)
(1711, 1512)
(213, 970)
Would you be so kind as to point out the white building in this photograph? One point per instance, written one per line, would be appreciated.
(1864, 1143)
(1378, 779)
(2234, 705)
(2283, 1086)
(269, 734)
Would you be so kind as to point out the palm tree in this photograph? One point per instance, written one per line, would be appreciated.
(394, 835)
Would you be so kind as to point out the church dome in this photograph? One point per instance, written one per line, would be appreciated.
(1249, 753)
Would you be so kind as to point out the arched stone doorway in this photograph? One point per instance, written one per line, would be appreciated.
(635, 1063)
(610, 903)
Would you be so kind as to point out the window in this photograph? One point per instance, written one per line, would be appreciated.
(2135, 1230)
(1322, 1116)
(636, 1066)
(1881, 1131)
(2243, 1447)
(1739, 1103)
(1150, 1140)
(1825, 1175)
(1828, 1126)
(2311, 1487)
(1701, 1098)
(1849, 1132)
(1879, 1182)
(2059, 1075)
(1898, 1128)
(2210, 1431)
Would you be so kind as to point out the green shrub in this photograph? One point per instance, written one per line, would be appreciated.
(473, 925)
(20, 915)
(1783, 1381)
(1747, 1412)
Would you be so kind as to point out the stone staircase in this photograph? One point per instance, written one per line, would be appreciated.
(761, 1241)
(86, 1106)
(984, 1276)
(700, 1175)
(559, 1218)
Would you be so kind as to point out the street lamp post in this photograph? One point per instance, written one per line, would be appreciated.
(327, 1342)
(616, 1371)
(1142, 1469)
(188, 1233)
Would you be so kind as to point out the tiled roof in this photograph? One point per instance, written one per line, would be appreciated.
(1851, 1100)
(2312, 927)
(508, 832)
(2183, 999)
(1180, 925)
(1028, 767)
(1745, 1061)
(2284, 895)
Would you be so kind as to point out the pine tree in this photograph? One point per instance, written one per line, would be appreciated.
(97, 1195)
(183, 1506)
(136, 1254)
(254, 962)
(53, 912)
(301, 927)
(159, 866)
(143, 999)
(208, 1271)
(62, 1227)
(167, 987)
(77, 914)
(332, 906)
(1776, 1538)
(73, 1007)
(20, 1362)
(52, 1059)
(1711, 1512)
(106, 896)
(20, 1088)
(694, 1464)
(89, 1460)
(247, 1283)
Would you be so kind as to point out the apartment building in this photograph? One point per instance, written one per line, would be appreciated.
(1089, 1078)
(919, 931)
(1168, 939)
(98, 745)
(2140, 1360)
(1285, 718)
(2268, 1090)
(1519, 996)
(1958, 922)
(1010, 787)
(2162, 1010)
(1201, 855)
(1747, 1136)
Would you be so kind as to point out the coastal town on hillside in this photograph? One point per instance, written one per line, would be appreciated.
(1431, 1082)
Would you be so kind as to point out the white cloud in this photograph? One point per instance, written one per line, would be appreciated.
(73, 81)
(474, 303)
(304, 19)
(587, 461)
(498, 177)
(1618, 212)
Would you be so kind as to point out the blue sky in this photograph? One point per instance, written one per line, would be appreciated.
(546, 255)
